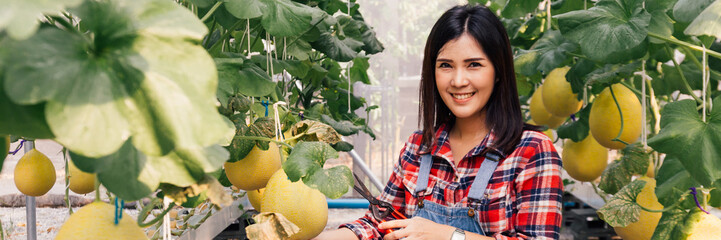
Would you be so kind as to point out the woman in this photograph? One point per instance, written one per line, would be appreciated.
(475, 171)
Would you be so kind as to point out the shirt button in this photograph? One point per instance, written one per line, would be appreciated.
(420, 203)
(471, 213)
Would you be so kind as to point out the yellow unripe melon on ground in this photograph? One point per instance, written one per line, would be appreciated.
(605, 121)
(255, 197)
(702, 226)
(645, 226)
(34, 174)
(80, 182)
(303, 206)
(96, 221)
(584, 160)
(253, 171)
(558, 98)
(539, 114)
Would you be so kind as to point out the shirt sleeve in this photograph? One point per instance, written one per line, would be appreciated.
(366, 227)
(539, 190)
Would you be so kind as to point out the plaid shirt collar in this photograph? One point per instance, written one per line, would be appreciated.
(441, 146)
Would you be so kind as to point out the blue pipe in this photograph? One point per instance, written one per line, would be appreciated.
(348, 203)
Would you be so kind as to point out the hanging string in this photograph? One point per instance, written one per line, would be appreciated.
(349, 85)
(278, 128)
(644, 129)
(248, 27)
(17, 149)
(704, 78)
(695, 198)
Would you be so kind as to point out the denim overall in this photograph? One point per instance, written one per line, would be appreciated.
(460, 217)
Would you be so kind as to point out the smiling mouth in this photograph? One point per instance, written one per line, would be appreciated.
(462, 96)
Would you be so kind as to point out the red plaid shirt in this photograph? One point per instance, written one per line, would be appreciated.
(523, 195)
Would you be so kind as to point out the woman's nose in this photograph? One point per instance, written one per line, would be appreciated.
(459, 79)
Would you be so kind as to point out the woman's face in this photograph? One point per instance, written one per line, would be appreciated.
(464, 77)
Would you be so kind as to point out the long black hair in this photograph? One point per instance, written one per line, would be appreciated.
(503, 108)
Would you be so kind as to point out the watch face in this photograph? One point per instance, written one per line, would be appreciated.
(458, 234)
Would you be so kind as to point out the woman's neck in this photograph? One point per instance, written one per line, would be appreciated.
(471, 128)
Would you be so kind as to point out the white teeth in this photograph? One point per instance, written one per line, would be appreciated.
(462, 96)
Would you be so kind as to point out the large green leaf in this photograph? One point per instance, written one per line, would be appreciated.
(315, 131)
(245, 9)
(336, 49)
(345, 128)
(688, 10)
(21, 18)
(612, 73)
(577, 75)
(245, 78)
(622, 209)
(285, 18)
(239, 148)
(661, 24)
(707, 23)
(519, 8)
(306, 162)
(634, 161)
(294, 67)
(359, 70)
(546, 54)
(671, 79)
(610, 26)
(145, 71)
(694, 142)
(659, 5)
(672, 181)
(22, 120)
(614, 177)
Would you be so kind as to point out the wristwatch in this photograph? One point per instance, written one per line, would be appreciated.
(458, 234)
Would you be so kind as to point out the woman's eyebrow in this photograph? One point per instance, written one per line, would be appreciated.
(465, 60)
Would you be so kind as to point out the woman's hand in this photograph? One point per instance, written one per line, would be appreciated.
(417, 228)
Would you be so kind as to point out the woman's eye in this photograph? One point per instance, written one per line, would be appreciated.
(474, 64)
(444, 65)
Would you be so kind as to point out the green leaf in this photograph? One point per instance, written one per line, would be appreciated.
(685, 136)
(315, 131)
(707, 23)
(285, 18)
(307, 158)
(343, 146)
(659, 5)
(21, 18)
(127, 173)
(239, 148)
(359, 70)
(610, 26)
(519, 8)
(577, 130)
(294, 67)
(612, 73)
(246, 9)
(203, 3)
(614, 178)
(577, 75)
(688, 10)
(334, 47)
(223, 179)
(622, 208)
(246, 78)
(343, 127)
(27, 120)
(661, 24)
(635, 159)
(298, 48)
(546, 54)
(672, 181)
(371, 43)
(333, 182)
(669, 223)
(564, 6)
(124, 82)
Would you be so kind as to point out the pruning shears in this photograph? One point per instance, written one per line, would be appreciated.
(379, 209)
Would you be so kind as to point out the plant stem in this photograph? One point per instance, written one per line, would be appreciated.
(685, 44)
(97, 189)
(67, 182)
(211, 11)
(264, 139)
(595, 189)
(146, 211)
(687, 87)
(620, 114)
(225, 35)
(683, 196)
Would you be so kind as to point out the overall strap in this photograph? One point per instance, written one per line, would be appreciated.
(488, 166)
(422, 183)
